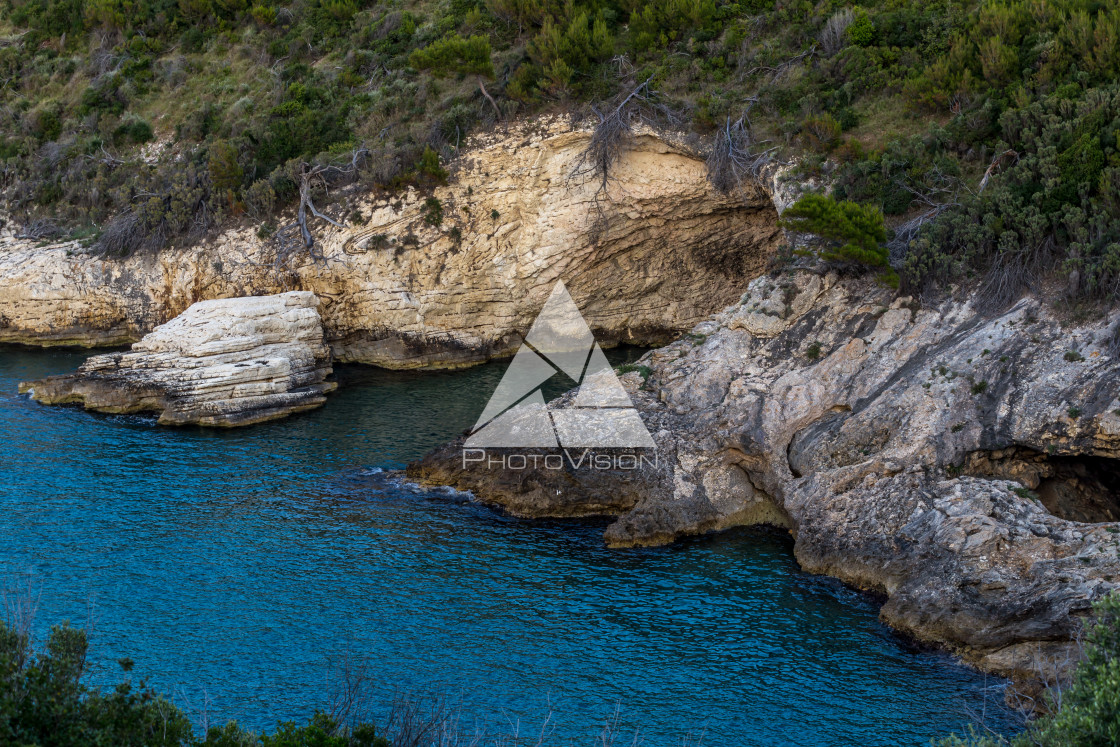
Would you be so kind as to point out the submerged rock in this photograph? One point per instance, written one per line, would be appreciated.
(227, 362)
(965, 466)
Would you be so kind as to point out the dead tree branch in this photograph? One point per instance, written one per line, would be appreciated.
(779, 70)
(311, 176)
(732, 158)
(39, 230)
(493, 103)
(908, 231)
(612, 137)
(996, 166)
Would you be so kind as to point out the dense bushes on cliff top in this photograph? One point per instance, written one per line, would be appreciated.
(916, 101)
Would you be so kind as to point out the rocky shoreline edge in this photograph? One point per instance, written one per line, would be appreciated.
(964, 466)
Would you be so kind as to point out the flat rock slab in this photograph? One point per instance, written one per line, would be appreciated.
(225, 362)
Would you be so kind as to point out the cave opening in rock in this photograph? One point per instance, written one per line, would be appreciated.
(1079, 488)
(1082, 488)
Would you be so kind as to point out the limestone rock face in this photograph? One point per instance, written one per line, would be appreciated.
(966, 466)
(448, 278)
(225, 362)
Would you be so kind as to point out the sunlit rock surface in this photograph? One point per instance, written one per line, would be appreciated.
(446, 278)
(225, 362)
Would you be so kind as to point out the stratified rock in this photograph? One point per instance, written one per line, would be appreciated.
(446, 278)
(226, 362)
(965, 466)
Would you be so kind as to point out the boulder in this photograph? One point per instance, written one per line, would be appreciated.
(227, 362)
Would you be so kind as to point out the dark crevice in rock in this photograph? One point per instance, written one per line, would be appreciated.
(1085, 489)
(815, 446)
(916, 365)
(1081, 488)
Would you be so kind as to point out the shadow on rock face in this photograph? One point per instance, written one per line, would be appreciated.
(1079, 488)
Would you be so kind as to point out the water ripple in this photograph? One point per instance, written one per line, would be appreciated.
(234, 565)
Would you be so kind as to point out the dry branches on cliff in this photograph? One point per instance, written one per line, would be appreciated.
(733, 158)
(615, 129)
(310, 177)
(612, 136)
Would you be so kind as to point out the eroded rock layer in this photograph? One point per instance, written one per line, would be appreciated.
(964, 466)
(448, 278)
(225, 362)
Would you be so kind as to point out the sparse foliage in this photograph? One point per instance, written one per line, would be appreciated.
(735, 157)
(1086, 712)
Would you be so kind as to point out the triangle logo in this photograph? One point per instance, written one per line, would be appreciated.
(602, 414)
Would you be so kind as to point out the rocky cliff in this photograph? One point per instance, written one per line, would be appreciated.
(448, 278)
(965, 466)
(224, 362)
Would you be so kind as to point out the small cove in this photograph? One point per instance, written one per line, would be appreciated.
(235, 566)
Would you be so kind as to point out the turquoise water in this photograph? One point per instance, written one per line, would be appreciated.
(237, 568)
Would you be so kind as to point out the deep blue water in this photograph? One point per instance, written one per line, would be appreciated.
(237, 568)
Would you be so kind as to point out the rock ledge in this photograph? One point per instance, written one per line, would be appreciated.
(227, 362)
(965, 466)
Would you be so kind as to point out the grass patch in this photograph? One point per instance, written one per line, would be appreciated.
(644, 371)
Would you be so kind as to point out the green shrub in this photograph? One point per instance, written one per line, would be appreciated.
(454, 54)
(854, 233)
(656, 24)
(103, 97)
(225, 171)
(644, 371)
(264, 15)
(47, 125)
(46, 701)
(821, 131)
(133, 130)
(564, 47)
(1089, 712)
(861, 32)
(433, 212)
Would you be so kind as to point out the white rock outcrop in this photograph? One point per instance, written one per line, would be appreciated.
(227, 362)
(444, 278)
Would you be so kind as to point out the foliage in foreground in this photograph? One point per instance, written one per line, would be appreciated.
(44, 701)
(1088, 711)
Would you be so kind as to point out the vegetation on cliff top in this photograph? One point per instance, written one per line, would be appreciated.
(987, 132)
